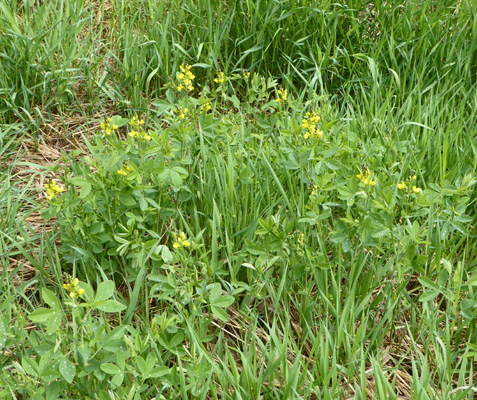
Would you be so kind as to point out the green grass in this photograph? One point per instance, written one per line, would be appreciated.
(377, 299)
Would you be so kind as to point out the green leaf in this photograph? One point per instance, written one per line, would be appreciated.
(105, 291)
(322, 261)
(472, 281)
(110, 368)
(430, 295)
(215, 292)
(332, 164)
(85, 190)
(158, 372)
(121, 359)
(30, 366)
(67, 370)
(141, 365)
(54, 322)
(49, 375)
(161, 106)
(50, 298)
(224, 301)
(111, 306)
(112, 161)
(126, 199)
(426, 282)
(220, 313)
(117, 380)
(116, 333)
(78, 181)
(40, 315)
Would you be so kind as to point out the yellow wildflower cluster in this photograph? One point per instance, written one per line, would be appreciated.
(181, 240)
(108, 127)
(404, 186)
(72, 287)
(246, 75)
(185, 77)
(365, 177)
(182, 112)
(205, 107)
(141, 135)
(53, 189)
(282, 95)
(310, 124)
(136, 123)
(125, 170)
(138, 131)
(220, 78)
(314, 189)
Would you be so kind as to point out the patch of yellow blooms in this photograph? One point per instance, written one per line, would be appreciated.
(365, 178)
(185, 77)
(181, 240)
(282, 95)
(220, 79)
(125, 170)
(310, 125)
(71, 287)
(137, 131)
(182, 112)
(403, 185)
(108, 127)
(53, 189)
(205, 107)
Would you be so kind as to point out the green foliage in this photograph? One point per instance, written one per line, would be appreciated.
(280, 205)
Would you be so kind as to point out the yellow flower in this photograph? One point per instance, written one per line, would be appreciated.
(246, 75)
(309, 123)
(185, 78)
(416, 189)
(205, 107)
(80, 292)
(66, 286)
(402, 186)
(364, 177)
(283, 95)
(53, 189)
(220, 79)
(72, 294)
(181, 240)
(181, 112)
(108, 127)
